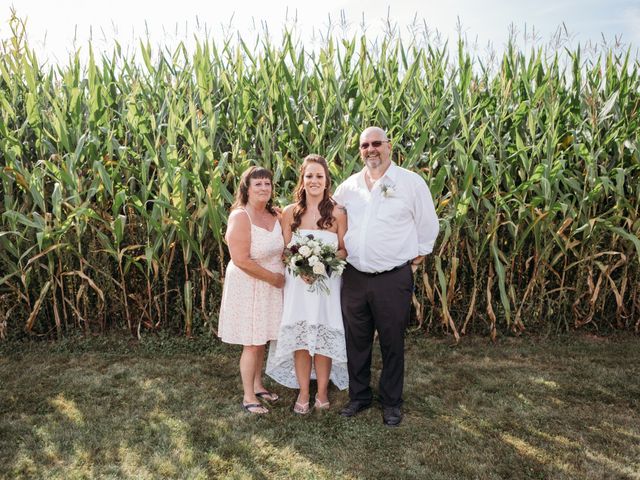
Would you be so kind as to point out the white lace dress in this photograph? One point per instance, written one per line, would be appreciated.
(311, 321)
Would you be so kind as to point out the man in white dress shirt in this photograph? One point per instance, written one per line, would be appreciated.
(392, 226)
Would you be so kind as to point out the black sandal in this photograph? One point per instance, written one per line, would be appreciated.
(248, 406)
(268, 396)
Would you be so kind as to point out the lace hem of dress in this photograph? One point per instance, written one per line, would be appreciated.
(317, 340)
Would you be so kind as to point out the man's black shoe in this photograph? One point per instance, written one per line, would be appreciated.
(391, 416)
(351, 409)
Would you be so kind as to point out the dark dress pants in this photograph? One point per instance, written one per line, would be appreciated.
(379, 302)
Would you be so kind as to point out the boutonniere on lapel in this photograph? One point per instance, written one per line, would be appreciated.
(388, 190)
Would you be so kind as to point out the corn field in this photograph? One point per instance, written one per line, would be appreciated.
(117, 174)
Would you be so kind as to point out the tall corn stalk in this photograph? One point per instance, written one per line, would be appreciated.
(117, 174)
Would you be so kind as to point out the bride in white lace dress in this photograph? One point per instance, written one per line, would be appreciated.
(311, 341)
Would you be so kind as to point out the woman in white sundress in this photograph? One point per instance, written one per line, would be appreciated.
(311, 341)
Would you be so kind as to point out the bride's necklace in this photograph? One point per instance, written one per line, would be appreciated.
(315, 214)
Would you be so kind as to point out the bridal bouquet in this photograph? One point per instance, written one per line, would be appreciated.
(313, 260)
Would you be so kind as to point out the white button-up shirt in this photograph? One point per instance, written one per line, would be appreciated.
(389, 225)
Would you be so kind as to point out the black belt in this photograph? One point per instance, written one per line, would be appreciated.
(375, 274)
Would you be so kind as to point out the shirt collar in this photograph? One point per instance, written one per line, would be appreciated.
(391, 174)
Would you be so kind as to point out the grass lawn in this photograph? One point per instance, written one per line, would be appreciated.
(563, 408)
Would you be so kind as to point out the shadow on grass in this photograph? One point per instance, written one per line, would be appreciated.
(517, 410)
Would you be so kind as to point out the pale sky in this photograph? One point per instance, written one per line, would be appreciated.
(52, 25)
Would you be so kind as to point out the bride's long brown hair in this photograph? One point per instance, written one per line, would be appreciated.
(326, 204)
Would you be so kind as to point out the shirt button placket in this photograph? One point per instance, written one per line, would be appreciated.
(365, 228)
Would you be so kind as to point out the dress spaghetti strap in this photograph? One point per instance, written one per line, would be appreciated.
(247, 212)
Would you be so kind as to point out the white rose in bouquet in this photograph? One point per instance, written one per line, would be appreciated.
(319, 269)
(313, 260)
(304, 251)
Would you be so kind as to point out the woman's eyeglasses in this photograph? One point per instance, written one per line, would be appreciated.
(374, 144)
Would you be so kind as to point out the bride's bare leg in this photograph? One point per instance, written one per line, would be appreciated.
(302, 362)
(323, 371)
